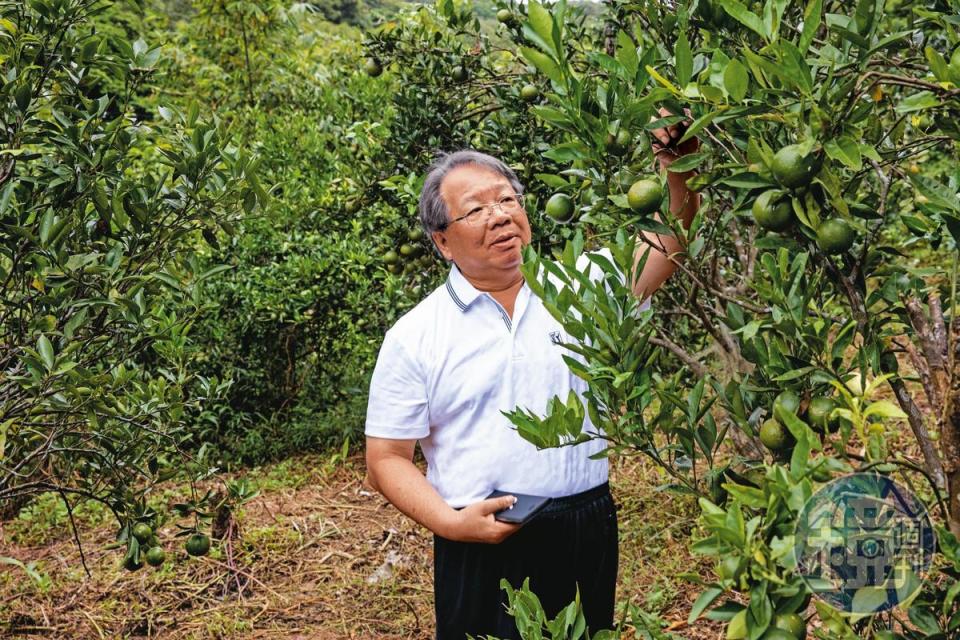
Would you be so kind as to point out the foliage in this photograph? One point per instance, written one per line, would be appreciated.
(100, 284)
(827, 105)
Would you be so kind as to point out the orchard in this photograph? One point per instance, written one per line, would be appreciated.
(823, 256)
(205, 240)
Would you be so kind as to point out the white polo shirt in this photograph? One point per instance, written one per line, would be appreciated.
(450, 365)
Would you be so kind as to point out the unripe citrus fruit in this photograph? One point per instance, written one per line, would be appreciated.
(390, 257)
(792, 624)
(645, 196)
(132, 563)
(792, 169)
(415, 234)
(787, 401)
(372, 67)
(835, 236)
(198, 545)
(772, 212)
(560, 207)
(460, 74)
(889, 362)
(406, 250)
(819, 414)
(618, 144)
(529, 93)
(156, 556)
(504, 16)
(773, 435)
(778, 634)
(142, 532)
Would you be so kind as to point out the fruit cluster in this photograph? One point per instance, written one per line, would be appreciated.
(819, 414)
(143, 544)
(409, 256)
(643, 197)
(774, 209)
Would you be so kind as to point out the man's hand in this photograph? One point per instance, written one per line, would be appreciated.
(665, 146)
(476, 522)
(684, 204)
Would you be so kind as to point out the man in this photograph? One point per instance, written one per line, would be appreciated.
(479, 345)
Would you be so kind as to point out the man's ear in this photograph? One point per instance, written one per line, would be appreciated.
(440, 240)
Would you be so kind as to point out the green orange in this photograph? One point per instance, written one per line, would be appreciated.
(835, 236)
(142, 532)
(792, 624)
(772, 211)
(560, 207)
(774, 435)
(787, 401)
(198, 545)
(372, 67)
(792, 168)
(156, 556)
(645, 196)
(819, 413)
(529, 92)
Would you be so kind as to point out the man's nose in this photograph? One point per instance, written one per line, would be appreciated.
(498, 215)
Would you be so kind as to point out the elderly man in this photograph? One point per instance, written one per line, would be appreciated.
(478, 345)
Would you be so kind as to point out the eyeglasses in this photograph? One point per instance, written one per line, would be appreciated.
(479, 215)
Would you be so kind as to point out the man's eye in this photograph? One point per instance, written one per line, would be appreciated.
(508, 200)
(474, 211)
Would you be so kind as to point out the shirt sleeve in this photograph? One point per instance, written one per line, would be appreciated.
(397, 407)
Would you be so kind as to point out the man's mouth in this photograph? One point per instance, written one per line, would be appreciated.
(504, 240)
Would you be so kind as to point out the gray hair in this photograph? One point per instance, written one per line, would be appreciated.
(434, 214)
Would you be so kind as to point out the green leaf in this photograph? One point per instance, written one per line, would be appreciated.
(812, 16)
(735, 79)
(688, 162)
(884, 409)
(705, 600)
(45, 349)
(544, 63)
(627, 54)
(846, 150)
(700, 123)
(744, 16)
(938, 65)
(937, 193)
(542, 23)
(663, 81)
(683, 60)
(917, 102)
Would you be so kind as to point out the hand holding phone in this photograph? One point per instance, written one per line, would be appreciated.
(523, 511)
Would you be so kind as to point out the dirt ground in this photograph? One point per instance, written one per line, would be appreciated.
(320, 557)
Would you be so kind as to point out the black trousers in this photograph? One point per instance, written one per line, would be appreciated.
(571, 543)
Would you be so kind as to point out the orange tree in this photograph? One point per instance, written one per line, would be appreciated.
(825, 253)
(100, 214)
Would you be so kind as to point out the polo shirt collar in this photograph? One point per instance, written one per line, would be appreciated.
(461, 291)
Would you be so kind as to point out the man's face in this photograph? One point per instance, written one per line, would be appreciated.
(481, 250)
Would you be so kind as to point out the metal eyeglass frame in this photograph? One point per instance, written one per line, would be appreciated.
(518, 196)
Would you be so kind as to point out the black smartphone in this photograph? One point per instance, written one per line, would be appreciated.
(523, 511)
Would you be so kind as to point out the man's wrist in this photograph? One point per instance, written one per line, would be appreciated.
(447, 525)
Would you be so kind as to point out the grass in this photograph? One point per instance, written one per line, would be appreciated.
(303, 567)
